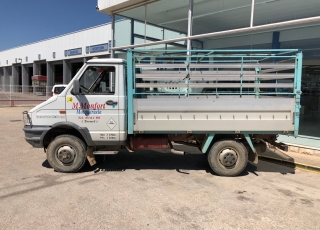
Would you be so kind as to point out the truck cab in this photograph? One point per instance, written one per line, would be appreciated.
(96, 114)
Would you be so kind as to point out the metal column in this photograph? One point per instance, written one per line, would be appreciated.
(25, 79)
(36, 68)
(275, 43)
(190, 22)
(36, 71)
(6, 79)
(112, 35)
(252, 14)
(276, 40)
(66, 72)
(14, 79)
(50, 78)
(145, 23)
(190, 15)
(132, 33)
(1, 79)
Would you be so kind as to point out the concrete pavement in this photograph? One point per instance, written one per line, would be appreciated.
(309, 162)
(147, 190)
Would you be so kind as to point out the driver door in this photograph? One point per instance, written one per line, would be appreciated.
(96, 106)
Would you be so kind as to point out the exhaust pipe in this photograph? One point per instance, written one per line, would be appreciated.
(174, 151)
(177, 152)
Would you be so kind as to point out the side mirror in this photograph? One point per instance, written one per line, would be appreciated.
(76, 87)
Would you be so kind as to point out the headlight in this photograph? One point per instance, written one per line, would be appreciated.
(26, 118)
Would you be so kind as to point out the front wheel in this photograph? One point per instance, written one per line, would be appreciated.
(66, 153)
(228, 158)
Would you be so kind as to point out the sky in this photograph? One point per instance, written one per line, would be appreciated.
(26, 21)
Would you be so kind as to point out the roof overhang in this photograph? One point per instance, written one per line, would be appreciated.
(117, 6)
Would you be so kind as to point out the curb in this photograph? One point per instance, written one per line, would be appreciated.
(310, 168)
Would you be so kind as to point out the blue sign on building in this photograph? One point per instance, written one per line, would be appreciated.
(97, 48)
(72, 52)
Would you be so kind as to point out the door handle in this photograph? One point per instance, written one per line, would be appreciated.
(110, 102)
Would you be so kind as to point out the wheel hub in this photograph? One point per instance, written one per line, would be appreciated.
(228, 157)
(66, 154)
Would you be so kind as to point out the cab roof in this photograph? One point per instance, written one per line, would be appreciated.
(107, 60)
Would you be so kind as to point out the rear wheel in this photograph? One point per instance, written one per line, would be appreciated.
(228, 158)
(66, 153)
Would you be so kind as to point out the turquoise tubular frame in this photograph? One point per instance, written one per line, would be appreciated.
(246, 135)
(255, 56)
(207, 142)
(130, 89)
(209, 138)
(297, 91)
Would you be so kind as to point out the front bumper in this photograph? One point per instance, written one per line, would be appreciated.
(34, 135)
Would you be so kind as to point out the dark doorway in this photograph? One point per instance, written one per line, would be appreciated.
(19, 75)
(30, 73)
(75, 67)
(43, 69)
(58, 74)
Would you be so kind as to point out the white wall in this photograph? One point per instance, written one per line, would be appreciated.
(109, 3)
(79, 39)
(109, 6)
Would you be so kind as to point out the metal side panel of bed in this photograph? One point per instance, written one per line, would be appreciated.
(211, 114)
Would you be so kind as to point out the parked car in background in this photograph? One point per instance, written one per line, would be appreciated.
(57, 89)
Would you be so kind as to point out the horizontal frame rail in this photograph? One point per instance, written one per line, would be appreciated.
(218, 65)
(217, 85)
(216, 77)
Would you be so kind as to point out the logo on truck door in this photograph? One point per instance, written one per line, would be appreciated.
(69, 99)
(87, 109)
(93, 106)
(111, 123)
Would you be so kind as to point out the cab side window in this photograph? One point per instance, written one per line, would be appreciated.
(59, 89)
(98, 80)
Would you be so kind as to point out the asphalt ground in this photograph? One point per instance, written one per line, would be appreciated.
(147, 190)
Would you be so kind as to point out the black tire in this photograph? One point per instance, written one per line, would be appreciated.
(66, 153)
(228, 158)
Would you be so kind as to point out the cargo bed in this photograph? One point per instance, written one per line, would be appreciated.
(255, 91)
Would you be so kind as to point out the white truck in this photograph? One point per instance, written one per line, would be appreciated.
(247, 98)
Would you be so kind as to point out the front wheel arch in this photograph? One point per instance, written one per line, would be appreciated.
(66, 128)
